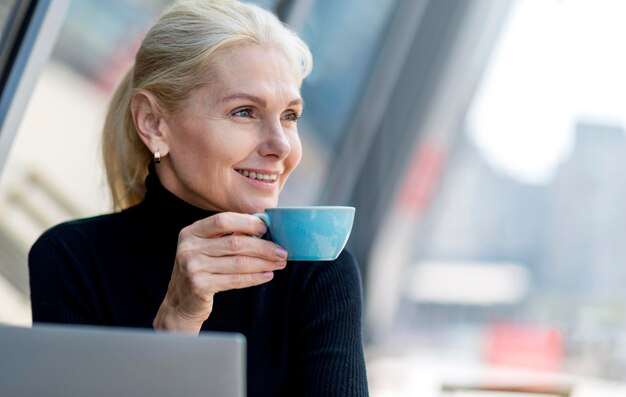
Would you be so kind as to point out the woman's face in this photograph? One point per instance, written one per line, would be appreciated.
(235, 142)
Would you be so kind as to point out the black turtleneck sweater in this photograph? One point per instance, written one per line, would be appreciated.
(303, 328)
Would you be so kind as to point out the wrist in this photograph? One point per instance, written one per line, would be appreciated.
(167, 319)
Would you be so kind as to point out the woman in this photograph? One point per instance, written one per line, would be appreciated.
(201, 133)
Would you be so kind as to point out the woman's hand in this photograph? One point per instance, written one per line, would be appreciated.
(215, 254)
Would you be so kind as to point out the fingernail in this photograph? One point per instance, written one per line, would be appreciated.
(262, 228)
(280, 252)
(281, 264)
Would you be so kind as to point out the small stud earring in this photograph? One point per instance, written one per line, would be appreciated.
(157, 157)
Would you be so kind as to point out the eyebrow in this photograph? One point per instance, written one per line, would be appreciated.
(260, 101)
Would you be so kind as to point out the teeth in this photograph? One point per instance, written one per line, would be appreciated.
(259, 177)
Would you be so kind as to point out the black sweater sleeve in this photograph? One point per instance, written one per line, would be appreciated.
(329, 360)
(57, 285)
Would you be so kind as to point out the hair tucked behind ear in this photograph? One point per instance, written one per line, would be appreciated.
(126, 158)
(176, 57)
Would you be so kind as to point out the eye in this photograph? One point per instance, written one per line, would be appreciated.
(293, 116)
(245, 112)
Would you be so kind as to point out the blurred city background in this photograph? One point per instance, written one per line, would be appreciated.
(483, 143)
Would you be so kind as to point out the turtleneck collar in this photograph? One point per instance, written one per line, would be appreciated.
(170, 209)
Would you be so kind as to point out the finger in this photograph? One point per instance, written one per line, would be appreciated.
(226, 223)
(225, 282)
(234, 244)
(237, 264)
(242, 264)
(245, 245)
(210, 284)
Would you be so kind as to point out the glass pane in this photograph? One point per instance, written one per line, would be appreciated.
(12, 17)
(344, 37)
(520, 263)
(6, 6)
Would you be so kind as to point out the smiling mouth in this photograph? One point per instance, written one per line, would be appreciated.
(269, 178)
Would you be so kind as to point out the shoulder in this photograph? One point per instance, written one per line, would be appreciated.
(77, 249)
(340, 276)
(344, 267)
(81, 228)
(78, 235)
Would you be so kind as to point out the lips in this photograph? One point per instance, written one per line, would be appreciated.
(263, 177)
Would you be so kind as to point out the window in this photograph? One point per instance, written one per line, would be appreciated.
(520, 260)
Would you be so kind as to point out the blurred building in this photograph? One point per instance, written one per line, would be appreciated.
(563, 232)
(588, 211)
(483, 215)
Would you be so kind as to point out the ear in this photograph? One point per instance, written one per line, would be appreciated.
(149, 122)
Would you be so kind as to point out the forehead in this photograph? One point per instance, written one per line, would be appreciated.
(256, 70)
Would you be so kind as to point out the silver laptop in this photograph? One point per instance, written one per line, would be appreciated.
(54, 360)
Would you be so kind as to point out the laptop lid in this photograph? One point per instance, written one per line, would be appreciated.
(55, 360)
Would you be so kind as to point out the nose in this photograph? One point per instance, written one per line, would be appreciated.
(275, 142)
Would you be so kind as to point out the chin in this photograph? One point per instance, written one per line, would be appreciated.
(260, 206)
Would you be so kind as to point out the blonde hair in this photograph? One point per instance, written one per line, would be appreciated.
(176, 57)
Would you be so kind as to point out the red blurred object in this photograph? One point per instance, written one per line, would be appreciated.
(422, 176)
(524, 345)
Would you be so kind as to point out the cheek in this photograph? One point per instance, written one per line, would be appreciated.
(231, 148)
(196, 151)
(207, 143)
(187, 139)
(295, 155)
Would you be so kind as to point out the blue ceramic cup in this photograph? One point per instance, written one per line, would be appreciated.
(309, 233)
